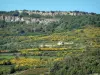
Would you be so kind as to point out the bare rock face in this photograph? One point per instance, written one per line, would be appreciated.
(27, 20)
(11, 18)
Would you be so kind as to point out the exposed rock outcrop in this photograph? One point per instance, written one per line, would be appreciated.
(27, 20)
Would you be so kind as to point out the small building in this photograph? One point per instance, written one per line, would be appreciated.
(60, 43)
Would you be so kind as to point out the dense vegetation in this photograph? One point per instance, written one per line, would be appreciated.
(20, 45)
(87, 63)
(66, 23)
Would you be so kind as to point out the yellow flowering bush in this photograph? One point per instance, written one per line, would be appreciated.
(52, 49)
(28, 62)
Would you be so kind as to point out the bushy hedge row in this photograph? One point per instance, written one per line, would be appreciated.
(87, 63)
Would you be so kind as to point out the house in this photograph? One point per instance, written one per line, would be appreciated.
(60, 43)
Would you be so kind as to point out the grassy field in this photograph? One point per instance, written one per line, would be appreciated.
(6, 57)
(36, 71)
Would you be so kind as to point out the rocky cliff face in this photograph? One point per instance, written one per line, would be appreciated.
(27, 20)
(33, 19)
